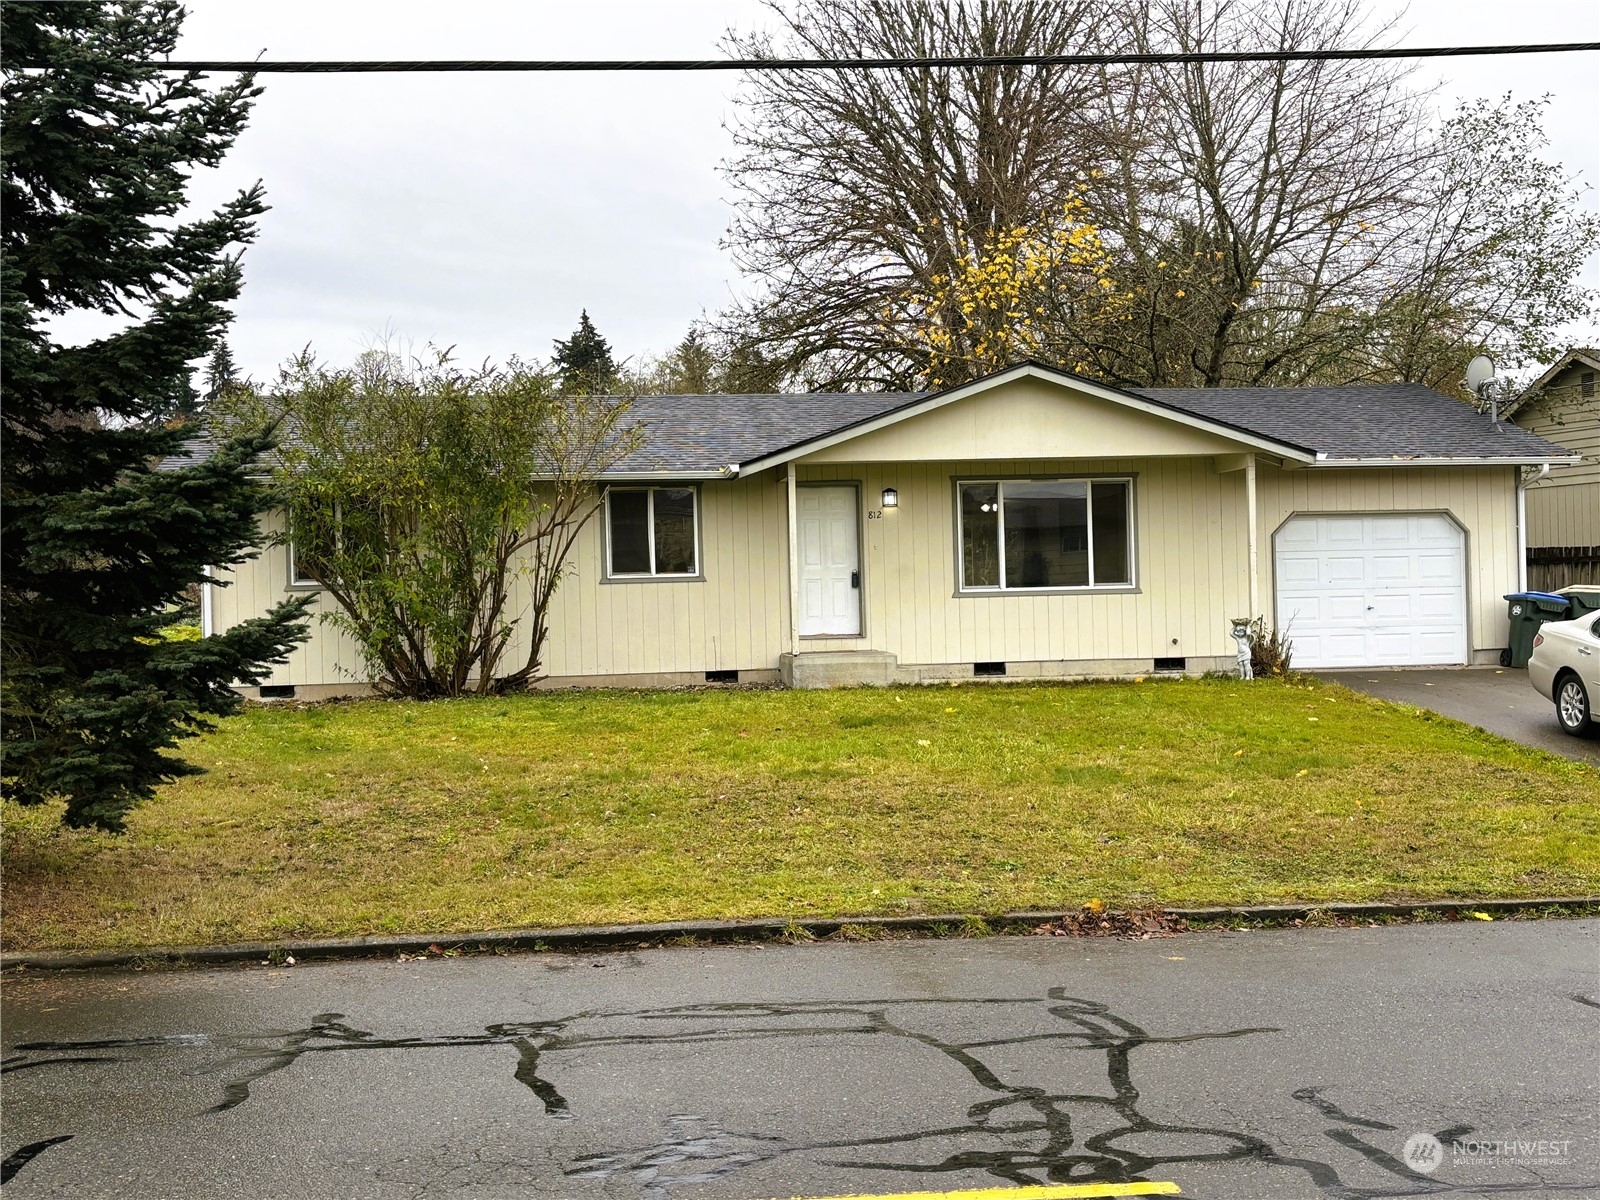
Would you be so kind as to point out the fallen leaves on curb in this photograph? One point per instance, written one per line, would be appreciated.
(1140, 926)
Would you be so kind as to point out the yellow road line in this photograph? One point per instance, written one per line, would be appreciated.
(1049, 1191)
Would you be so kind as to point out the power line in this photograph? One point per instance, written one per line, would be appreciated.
(396, 66)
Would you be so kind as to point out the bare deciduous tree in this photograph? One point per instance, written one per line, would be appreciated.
(1266, 222)
(857, 187)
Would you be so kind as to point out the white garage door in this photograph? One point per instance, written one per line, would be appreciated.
(1383, 589)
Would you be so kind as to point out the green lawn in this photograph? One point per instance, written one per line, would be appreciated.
(594, 807)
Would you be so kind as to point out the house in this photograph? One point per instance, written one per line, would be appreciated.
(1032, 523)
(1563, 505)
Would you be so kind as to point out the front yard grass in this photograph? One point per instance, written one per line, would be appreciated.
(601, 807)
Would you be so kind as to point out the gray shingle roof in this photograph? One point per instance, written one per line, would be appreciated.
(706, 434)
(1386, 420)
(694, 433)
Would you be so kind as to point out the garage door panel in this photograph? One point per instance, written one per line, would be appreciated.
(1392, 606)
(1306, 610)
(1439, 644)
(1388, 531)
(1393, 568)
(1434, 530)
(1344, 569)
(1344, 607)
(1373, 589)
(1440, 607)
(1434, 567)
(1295, 571)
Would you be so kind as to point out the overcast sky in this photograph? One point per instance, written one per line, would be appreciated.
(485, 210)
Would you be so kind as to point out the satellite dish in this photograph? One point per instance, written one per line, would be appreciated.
(1479, 372)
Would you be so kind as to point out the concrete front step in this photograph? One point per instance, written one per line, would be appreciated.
(837, 668)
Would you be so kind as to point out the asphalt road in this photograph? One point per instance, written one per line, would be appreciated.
(1279, 1064)
(1500, 701)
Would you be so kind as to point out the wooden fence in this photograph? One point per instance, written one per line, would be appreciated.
(1553, 567)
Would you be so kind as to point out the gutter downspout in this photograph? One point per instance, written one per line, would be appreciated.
(1251, 534)
(1522, 523)
(207, 620)
(794, 565)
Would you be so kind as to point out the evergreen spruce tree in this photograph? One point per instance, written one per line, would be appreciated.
(96, 545)
(584, 360)
(221, 373)
(694, 365)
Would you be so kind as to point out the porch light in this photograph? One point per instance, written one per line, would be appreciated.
(891, 498)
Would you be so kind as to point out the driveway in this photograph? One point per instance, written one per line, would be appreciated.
(1490, 698)
(1271, 1065)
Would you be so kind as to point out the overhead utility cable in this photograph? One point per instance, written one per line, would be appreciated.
(395, 66)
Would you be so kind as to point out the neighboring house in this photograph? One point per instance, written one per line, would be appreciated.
(1032, 523)
(1564, 506)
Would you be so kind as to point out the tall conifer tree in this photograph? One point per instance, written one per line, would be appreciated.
(584, 360)
(97, 545)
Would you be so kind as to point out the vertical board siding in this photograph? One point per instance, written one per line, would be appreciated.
(1564, 507)
(1564, 515)
(1183, 508)
(1190, 555)
(1481, 499)
(251, 590)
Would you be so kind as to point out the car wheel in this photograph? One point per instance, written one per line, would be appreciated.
(1572, 705)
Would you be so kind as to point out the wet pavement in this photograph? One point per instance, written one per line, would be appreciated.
(1499, 700)
(1278, 1064)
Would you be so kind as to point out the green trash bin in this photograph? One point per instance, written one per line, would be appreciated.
(1528, 611)
(1585, 598)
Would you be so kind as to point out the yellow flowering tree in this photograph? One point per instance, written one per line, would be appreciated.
(1007, 296)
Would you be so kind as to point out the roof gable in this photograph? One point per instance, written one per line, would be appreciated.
(1232, 436)
(1578, 356)
(1030, 415)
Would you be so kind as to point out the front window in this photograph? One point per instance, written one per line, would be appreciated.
(652, 531)
(1046, 533)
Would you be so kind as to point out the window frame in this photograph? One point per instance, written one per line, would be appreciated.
(1130, 479)
(609, 575)
(296, 584)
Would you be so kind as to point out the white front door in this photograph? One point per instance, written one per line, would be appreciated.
(830, 563)
(1370, 590)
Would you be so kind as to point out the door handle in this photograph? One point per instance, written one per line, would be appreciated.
(855, 579)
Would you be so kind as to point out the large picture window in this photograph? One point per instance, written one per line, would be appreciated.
(1046, 533)
(651, 532)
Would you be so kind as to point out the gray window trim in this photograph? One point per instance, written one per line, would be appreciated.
(606, 574)
(1129, 588)
(295, 583)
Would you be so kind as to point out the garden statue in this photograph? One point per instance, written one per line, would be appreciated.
(1241, 638)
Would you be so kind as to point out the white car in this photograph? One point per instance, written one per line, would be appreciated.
(1565, 667)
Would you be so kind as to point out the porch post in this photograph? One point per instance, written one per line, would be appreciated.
(794, 566)
(1251, 534)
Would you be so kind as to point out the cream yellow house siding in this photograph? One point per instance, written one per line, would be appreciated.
(1190, 551)
(1564, 507)
(733, 620)
(329, 657)
(1482, 500)
(1027, 418)
(1189, 548)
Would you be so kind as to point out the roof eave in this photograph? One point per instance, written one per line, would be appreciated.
(1456, 460)
(1116, 395)
(703, 475)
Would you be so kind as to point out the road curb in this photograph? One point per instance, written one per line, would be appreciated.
(764, 929)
